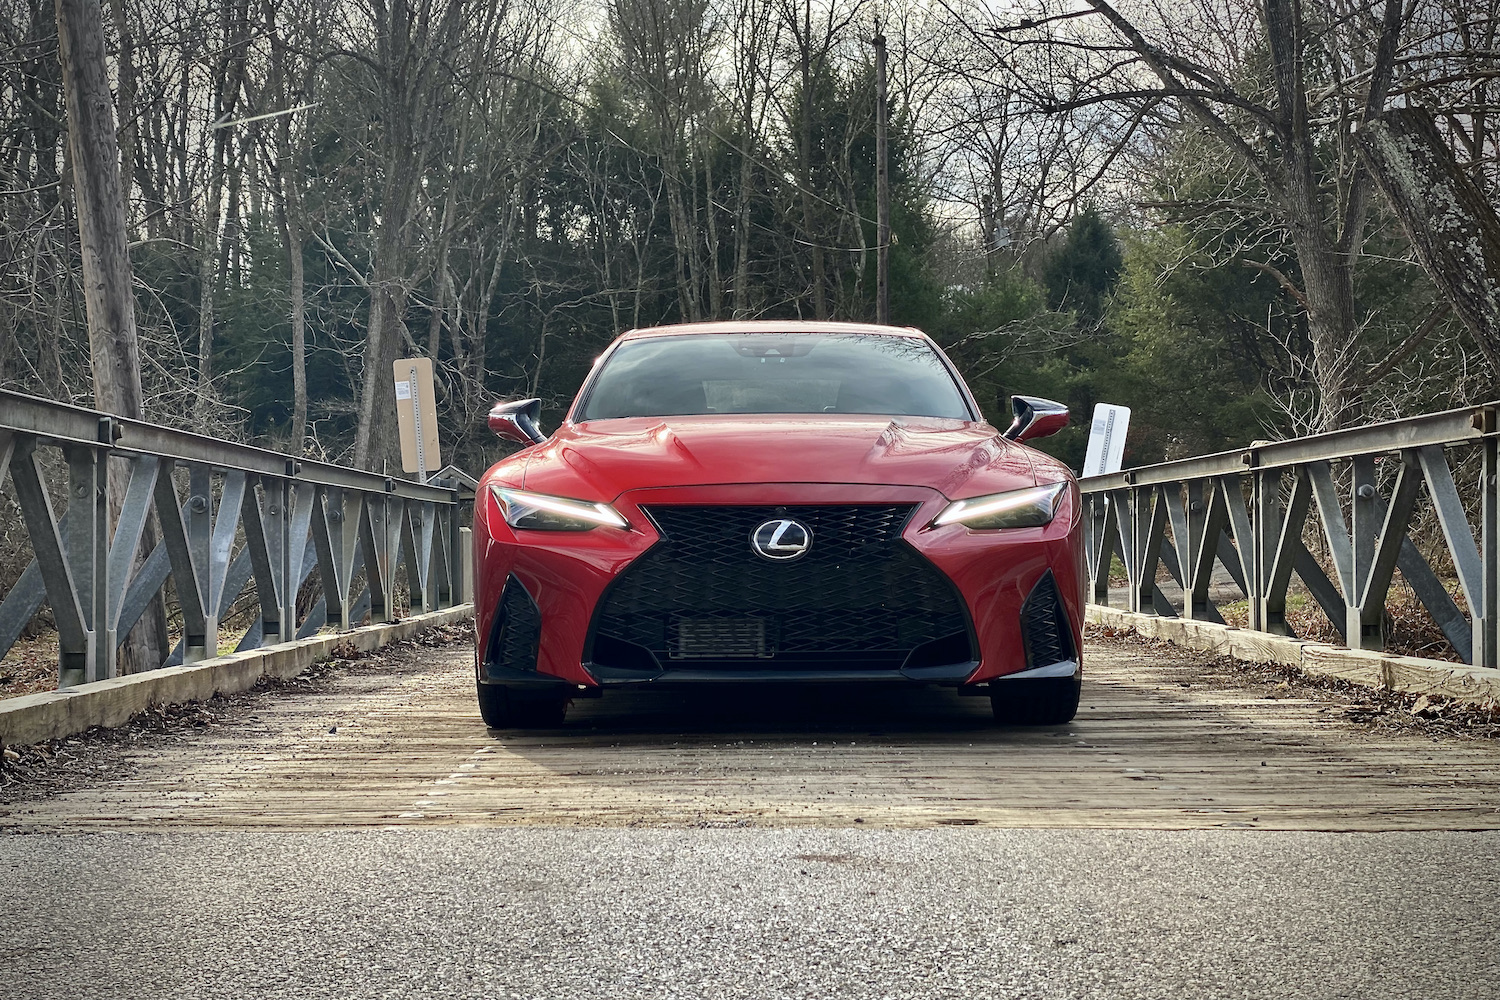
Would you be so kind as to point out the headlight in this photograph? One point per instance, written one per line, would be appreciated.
(540, 512)
(1028, 508)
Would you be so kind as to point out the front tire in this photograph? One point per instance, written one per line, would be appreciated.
(1047, 701)
(504, 707)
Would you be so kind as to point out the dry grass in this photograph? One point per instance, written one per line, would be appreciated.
(31, 665)
(1378, 708)
(1410, 630)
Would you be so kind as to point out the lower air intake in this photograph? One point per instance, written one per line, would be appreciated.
(518, 629)
(1044, 625)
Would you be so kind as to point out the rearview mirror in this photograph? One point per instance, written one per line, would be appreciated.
(1035, 418)
(517, 420)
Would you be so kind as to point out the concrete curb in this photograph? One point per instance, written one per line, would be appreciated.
(1410, 674)
(35, 718)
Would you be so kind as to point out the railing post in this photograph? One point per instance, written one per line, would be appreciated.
(455, 554)
(372, 536)
(1364, 527)
(283, 549)
(344, 538)
(1260, 569)
(439, 575)
(88, 553)
(74, 639)
(1486, 618)
(1104, 519)
(200, 524)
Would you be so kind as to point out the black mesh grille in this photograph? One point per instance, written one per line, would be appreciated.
(860, 592)
(518, 627)
(1044, 625)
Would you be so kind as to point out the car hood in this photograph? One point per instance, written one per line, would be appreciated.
(599, 460)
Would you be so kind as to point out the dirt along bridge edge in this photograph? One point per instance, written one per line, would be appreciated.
(114, 702)
(52, 715)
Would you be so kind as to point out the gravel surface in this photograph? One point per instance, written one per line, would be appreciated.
(750, 913)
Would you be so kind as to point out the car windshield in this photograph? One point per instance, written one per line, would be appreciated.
(774, 373)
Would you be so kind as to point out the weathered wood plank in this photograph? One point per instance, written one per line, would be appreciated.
(1164, 741)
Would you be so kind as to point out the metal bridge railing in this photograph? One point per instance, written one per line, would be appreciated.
(249, 515)
(1247, 511)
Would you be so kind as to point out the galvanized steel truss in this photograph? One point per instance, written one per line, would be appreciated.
(249, 514)
(1247, 510)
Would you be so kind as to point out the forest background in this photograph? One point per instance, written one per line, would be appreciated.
(1242, 219)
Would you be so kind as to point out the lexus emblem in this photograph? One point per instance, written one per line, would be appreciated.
(782, 540)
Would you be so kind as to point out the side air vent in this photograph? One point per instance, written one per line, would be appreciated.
(518, 629)
(1044, 625)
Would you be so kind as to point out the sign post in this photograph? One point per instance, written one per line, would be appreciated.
(416, 415)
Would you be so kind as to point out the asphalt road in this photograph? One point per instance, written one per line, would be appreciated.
(365, 836)
(534, 912)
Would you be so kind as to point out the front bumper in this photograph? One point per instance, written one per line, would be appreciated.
(566, 575)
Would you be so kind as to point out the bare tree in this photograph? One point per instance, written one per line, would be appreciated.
(664, 47)
(1328, 70)
(410, 69)
(226, 86)
(288, 93)
(812, 41)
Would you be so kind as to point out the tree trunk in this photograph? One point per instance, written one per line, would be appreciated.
(804, 187)
(129, 132)
(228, 80)
(289, 208)
(742, 224)
(208, 256)
(107, 294)
(1451, 223)
(1328, 276)
(108, 298)
(375, 438)
(712, 275)
(684, 238)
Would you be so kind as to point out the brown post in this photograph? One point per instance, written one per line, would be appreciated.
(107, 295)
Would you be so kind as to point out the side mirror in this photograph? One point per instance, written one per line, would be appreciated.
(1035, 418)
(517, 421)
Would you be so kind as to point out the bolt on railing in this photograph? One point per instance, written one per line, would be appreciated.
(250, 514)
(1246, 511)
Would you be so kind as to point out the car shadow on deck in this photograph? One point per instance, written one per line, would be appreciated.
(780, 710)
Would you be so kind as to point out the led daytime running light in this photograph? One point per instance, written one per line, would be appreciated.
(1043, 499)
(517, 503)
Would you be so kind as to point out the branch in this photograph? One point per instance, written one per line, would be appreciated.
(1381, 74)
(1183, 93)
(1411, 343)
(1158, 62)
(1281, 279)
(343, 261)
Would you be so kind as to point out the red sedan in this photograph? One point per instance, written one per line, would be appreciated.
(783, 502)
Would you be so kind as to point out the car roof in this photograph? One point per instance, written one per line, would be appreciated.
(771, 326)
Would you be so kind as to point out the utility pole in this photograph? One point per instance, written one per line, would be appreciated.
(109, 302)
(882, 190)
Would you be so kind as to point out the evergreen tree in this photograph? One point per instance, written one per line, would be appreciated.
(1082, 272)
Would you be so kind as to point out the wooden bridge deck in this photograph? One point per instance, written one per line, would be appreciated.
(1158, 744)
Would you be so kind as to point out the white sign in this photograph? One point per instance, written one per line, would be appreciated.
(1106, 451)
(416, 416)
